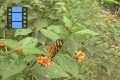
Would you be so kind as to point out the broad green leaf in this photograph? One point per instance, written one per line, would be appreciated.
(22, 31)
(42, 23)
(102, 75)
(117, 28)
(86, 31)
(20, 78)
(32, 50)
(51, 35)
(40, 77)
(114, 52)
(10, 43)
(56, 29)
(29, 58)
(109, 66)
(32, 16)
(75, 29)
(83, 67)
(75, 1)
(8, 70)
(14, 56)
(59, 6)
(68, 64)
(52, 16)
(111, 2)
(71, 46)
(93, 49)
(81, 77)
(29, 41)
(2, 24)
(53, 71)
(17, 1)
(67, 21)
(1, 12)
(60, 3)
(13, 77)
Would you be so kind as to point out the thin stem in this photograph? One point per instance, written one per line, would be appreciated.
(37, 19)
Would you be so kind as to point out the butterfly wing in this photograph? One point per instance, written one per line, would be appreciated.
(58, 44)
(54, 48)
(51, 50)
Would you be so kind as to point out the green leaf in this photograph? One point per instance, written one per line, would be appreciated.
(53, 71)
(102, 75)
(29, 41)
(93, 49)
(22, 31)
(50, 34)
(29, 58)
(8, 70)
(2, 24)
(114, 52)
(68, 64)
(60, 3)
(32, 50)
(14, 56)
(1, 12)
(111, 1)
(17, 1)
(86, 31)
(20, 78)
(10, 43)
(71, 46)
(40, 77)
(32, 16)
(52, 16)
(67, 21)
(42, 23)
(28, 44)
(56, 29)
(75, 29)
(109, 66)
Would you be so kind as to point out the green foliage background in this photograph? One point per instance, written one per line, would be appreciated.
(79, 22)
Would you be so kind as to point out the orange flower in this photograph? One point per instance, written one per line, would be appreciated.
(80, 59)
(114, 20)
(115, 47)
(80, 56)
(106, 27)
(106, 19)
(1, 44)
(40, 59)
(44, 61)
(18, 48)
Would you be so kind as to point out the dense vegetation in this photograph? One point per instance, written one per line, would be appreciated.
(84, 25)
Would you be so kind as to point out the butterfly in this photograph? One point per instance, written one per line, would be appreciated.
(54, 48)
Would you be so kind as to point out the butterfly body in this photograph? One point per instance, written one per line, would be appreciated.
(54, 48)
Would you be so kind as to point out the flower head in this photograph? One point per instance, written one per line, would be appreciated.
(115, 47)
(44, 61)
(106, 19)
(2, 45)
(80, 56)
(18, 48)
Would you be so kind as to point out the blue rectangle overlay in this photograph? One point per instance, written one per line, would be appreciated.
(16, 9)
(16, 16)
(16, 24)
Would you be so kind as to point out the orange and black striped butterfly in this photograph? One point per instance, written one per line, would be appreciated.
(54, 48)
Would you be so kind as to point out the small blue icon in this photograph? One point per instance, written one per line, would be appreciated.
(17, 17)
